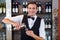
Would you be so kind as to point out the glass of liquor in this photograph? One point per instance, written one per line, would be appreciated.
(23, 25)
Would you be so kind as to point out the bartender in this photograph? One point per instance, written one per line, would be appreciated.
(34, 24)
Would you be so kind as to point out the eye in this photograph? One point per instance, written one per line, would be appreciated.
(33, 8)
(29, 8)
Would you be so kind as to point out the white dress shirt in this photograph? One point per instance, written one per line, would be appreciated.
(31, 23)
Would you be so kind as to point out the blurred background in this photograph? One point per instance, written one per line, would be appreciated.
(47, 9)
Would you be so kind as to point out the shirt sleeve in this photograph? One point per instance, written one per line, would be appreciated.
(16, 18)
(42, 29)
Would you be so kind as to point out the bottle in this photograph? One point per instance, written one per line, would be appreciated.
(47, 8)
(4, 8)
(3, 34)
(39, 7)
(49, 25)
(16, 5)
(50, 7)
(13, 7)
(49, 38)
(0, 8)
(24, 7)
(46, 25)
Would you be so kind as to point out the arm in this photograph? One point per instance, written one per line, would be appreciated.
(14, 21)
(8, 21)
(30, 33)
(42, 29)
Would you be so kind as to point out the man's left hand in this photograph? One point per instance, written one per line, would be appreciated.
(30, 33)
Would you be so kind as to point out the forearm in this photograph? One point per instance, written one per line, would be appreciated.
(6, 20)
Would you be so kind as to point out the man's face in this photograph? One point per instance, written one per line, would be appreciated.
(32, 9)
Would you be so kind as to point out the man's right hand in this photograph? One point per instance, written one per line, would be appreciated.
(17, 25)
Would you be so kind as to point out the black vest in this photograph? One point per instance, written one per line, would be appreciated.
(35, 28)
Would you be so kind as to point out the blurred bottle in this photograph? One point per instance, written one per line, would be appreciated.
(39, 7)
(49, 38)
(24, 7)
(0, 8)
(50, 7)
(16, 7)
(46, 25)
(13, 7)
(47, 7)
(49, 25)
(4, 7)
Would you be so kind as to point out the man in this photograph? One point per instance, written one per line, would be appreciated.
(36, 26)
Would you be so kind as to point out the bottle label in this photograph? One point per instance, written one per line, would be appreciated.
(16, 10)
(24, 9)
(49, 10)
(46, 10)
(39, 8)
(49, 26)
(45, 26)
(13, 10)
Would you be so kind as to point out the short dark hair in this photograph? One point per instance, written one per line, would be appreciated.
(33, 2)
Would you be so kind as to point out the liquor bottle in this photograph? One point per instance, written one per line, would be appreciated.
(50, 7)
(13, 7)
(49, 25)
(0, 8)
(49, 38)
(3, 35)
(46, 25)
(16, 7)
(47, 8)
(39, 7)
(4, 8)
(24, 7)
(50, 22)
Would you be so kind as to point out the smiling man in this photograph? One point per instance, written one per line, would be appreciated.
(34, 24)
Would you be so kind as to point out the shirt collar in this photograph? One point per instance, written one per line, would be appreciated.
(35, 16)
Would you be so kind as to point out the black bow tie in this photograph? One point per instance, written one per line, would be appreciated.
(31, 17)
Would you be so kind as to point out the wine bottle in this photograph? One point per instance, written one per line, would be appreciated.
(16, 7)
(0, 8)
(4, 8)
(49, 25)
(24, 9)
(46, 25)
(47, 8)
(49, 38)
(39, 7)
(50, 7)
(13, 7)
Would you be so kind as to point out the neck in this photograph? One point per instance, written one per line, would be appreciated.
(31, 15)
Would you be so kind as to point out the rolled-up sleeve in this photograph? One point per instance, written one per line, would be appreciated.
(42, 29)
(16, 18)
